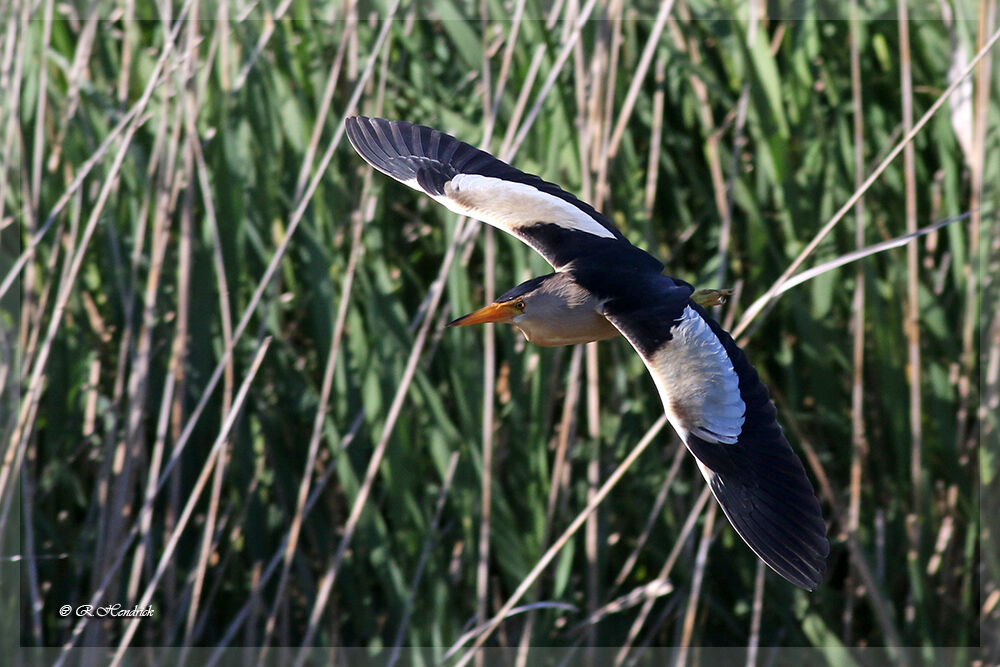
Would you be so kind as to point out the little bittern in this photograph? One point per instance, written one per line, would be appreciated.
(604, 286)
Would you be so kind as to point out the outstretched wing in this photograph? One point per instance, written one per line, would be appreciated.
(723, 413)
(469, 181)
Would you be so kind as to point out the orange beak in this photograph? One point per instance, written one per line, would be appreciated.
(495, 312)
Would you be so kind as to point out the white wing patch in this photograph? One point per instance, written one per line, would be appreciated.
(507, 205)
(697, 383)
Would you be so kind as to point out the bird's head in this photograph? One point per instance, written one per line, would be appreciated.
(514, 306)
(549, 310)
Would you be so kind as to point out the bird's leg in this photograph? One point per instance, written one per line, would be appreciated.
(706, 298)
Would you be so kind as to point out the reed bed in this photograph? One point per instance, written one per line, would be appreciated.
(228, 394)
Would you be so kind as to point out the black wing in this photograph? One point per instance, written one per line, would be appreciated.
(723, 413)
(556, 224)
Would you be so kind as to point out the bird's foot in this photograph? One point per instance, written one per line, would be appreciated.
(706, 298)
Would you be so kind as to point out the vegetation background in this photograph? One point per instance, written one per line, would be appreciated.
(228, 393)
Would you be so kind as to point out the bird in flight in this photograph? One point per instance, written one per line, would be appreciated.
(603, 286)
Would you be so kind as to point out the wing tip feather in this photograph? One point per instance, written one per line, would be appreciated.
(790, 540)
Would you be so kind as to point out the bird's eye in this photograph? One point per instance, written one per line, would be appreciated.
(519, 305)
